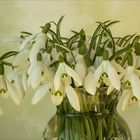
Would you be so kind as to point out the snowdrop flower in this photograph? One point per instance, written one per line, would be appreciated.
(91, 80)
(80, 67)
(121, 72)
(40, 92)
(39, 44)
(37, 74)
(15, 88)
(62, 81)
(3, 85)
(45, 88)
(64, 69)
(132, 77)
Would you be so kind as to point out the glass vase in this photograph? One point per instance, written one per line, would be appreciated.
(97, 120)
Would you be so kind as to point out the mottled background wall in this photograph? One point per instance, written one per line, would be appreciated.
(26, 122)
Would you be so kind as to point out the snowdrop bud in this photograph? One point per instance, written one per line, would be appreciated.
(88, 61)
(46, 28)
(130, 59)
(82, 49)
(105, 55)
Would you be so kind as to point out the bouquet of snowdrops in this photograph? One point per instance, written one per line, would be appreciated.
(67, 66)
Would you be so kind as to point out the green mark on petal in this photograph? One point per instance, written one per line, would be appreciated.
(2, 90)
(58, 93)
(134, 98)
(64, 75)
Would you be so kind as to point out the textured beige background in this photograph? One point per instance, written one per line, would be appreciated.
(26, 122)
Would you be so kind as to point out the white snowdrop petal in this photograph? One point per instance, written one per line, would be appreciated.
(80, 70)
(35, 75)
(113, 77)
(6, 95)
(55, 54)
(57, 78)
(135, 83)
(98, 61)
(13, 93)
(110, 89)
(57, 99)
(21, 57)
(126, 100)
(22, 68)
(25, 81)
(34, 50)
(137, 61)
(72, 97)
(19, 87)
(89, 85)
(40, 93)
(26, 41)
(39, 44)
(117, 67)
(41, 37)
(138, 72)
(97, 74)
(72, 74)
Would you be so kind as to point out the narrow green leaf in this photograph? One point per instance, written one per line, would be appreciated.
(46, 28)
(1, 69)
(58, 29)
(24, 32)
(8, 54)
(128, 41)
(110, 36)
(73, 39)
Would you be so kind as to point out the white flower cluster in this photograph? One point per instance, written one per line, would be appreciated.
(48, 65)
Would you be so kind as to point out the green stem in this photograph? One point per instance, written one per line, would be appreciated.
(100, 131)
